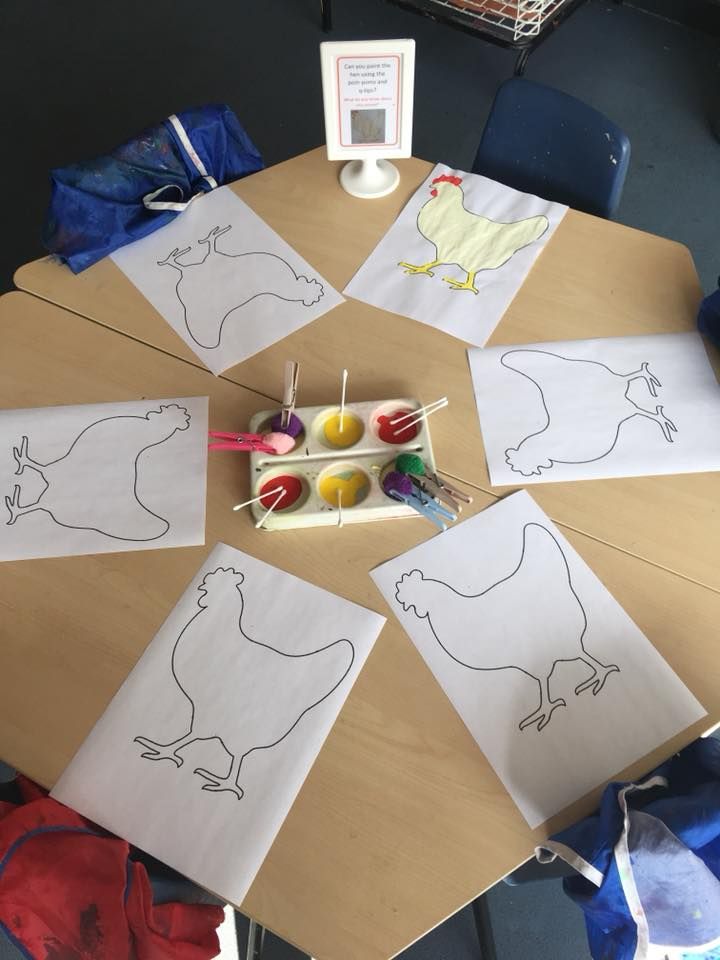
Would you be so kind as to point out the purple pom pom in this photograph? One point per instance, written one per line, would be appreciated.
(396, 482)
(294, 428)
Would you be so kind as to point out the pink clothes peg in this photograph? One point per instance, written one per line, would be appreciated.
(252, 442)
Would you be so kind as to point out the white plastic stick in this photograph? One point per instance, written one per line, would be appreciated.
(413, 413)
(342, 400)
(275, 502)
(339, 500)
(423, 416)
(239, 506)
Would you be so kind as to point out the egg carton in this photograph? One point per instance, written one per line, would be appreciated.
(325, 460)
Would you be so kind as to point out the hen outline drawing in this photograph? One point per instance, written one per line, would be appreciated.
(466, 239)
(603, 397)
(258, 666)
(242, 277)
(101, 509)
(414, 592)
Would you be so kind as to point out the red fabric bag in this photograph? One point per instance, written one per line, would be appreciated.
(69, 891)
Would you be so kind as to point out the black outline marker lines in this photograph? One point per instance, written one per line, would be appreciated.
(547, 462)
(211, 240)
(413, 270)
(88, 435)
(542, 715)
(168, 751)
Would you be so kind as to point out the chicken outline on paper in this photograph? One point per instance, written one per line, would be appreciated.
(110, 506)
(239, 278)
(600, 394)
(467, 239)
(249, 662)
(542, 565)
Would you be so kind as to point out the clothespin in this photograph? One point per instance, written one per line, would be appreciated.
(433, 489)
(400, 487)
(292, 372)
(241, 442)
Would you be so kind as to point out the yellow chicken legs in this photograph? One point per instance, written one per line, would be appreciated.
(467, 284)
(410, 268)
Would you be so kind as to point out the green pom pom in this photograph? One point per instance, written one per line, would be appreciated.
(410, 463)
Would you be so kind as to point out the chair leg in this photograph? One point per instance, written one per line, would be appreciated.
(521, 61)
(484, 928)
(256, 940)
(326, 14)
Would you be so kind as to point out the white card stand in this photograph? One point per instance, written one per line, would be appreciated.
(369, 178)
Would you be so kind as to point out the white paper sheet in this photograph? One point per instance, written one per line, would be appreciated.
(251, 659)
(555, 682)
(497, 237)
(586, 409)
(102, 477)
(225, 281)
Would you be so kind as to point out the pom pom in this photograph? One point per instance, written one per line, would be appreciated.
(395, 482)
(410, 463)
(280, 442)
(294, 428)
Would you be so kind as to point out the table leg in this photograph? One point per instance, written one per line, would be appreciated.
(521, 61)
(326, 14)
(256, 939)
(483, 928)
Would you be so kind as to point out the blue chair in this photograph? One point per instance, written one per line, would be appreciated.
(542, 141)
(708, 319)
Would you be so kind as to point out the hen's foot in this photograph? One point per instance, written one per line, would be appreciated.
(650, 379)
(217, 784)
(172, 257)
(411, 268)
(467, 284)
(215, 233)
(542, 715)
(157, 751)
(13, 505)
(597, 680)
(666, 425)
(21, 457)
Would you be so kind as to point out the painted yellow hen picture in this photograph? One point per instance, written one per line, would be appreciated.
(466, 239)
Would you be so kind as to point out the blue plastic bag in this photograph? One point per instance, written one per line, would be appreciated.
(100, 205)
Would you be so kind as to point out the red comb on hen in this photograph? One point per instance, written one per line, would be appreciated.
(444, 178)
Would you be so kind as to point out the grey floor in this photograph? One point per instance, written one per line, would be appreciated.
(79, 77)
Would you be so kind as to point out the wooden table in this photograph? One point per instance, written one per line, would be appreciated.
(401, 820)
(595, 278)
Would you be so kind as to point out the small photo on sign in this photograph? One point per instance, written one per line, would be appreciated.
(367, 126)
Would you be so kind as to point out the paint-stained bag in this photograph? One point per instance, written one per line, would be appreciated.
(68, 891)
(102, 204)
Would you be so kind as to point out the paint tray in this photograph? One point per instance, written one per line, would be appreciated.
(326, 460)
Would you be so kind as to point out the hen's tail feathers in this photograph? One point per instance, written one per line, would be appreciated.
(311, 291)
(409, 593)
(175, 416)
(524, 460)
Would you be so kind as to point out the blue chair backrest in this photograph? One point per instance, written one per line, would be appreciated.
(542, 141)
(708, 319)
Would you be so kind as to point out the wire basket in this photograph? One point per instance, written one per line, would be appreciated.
(520, 18)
